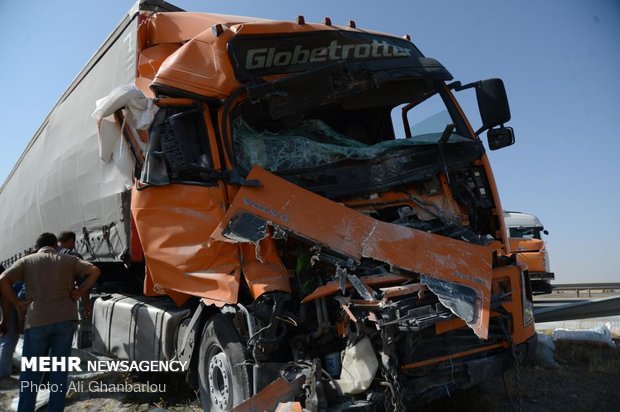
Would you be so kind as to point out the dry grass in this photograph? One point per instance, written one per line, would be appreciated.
(585, 381)
(593, 357)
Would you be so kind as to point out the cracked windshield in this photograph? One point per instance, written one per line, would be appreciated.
(313, 142)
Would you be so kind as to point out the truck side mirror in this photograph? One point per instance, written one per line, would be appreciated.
(546, 232)
(500, 137)
(492, 103)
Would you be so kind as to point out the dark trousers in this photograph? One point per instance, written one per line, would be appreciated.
(48, 340)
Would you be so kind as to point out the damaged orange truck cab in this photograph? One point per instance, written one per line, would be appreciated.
(298, 247)
(276, 189)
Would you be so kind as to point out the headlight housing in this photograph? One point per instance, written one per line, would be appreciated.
(526, 299)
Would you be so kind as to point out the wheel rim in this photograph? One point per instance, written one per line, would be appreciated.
(220, 385)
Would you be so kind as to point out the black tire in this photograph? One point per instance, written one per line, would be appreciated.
(223, 368)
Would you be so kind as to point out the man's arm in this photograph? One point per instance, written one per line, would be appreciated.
(13, 274)
(6, 315)
(8, 293)
(91, 277)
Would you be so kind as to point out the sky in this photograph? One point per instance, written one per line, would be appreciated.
(559, 60)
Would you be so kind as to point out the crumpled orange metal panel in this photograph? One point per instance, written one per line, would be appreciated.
(174, 223)
(151, 289)
(263, 269)
(200, 66)
(179, 27)
(330, 288)
(348, 232)
(150, 59)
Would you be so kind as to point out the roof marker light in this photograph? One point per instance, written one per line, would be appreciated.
(217, 29)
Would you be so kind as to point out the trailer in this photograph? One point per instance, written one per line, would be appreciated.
(256, 213)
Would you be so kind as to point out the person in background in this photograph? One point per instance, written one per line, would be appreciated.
(50, 312)
(10, 328)
(66, 244)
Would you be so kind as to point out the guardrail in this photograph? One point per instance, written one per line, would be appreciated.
(586, 287)
(579, 310)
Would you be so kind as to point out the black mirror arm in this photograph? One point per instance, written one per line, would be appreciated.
(457, 86)
(483, 128)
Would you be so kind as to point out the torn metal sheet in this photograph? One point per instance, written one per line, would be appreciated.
(365, 292)
(246, 227)
(332, 287)
(358, 236)
(461, 300)
(395, 291)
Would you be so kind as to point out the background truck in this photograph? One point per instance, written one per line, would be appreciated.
(524, 234)
(255, 212)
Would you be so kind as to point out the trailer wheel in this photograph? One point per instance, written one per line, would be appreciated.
(223, 371)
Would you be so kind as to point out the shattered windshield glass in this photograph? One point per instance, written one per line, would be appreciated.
(312, 143)
(360, 128)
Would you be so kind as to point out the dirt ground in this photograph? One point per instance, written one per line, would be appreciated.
(587, 379)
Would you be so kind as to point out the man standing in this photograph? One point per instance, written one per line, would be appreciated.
(50, 312)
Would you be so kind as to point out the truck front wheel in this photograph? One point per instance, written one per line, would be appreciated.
(223, 369)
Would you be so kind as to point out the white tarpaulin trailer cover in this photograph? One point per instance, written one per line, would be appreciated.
(59, 183)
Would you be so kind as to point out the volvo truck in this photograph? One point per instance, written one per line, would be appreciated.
(301, 211)
(524, 233)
